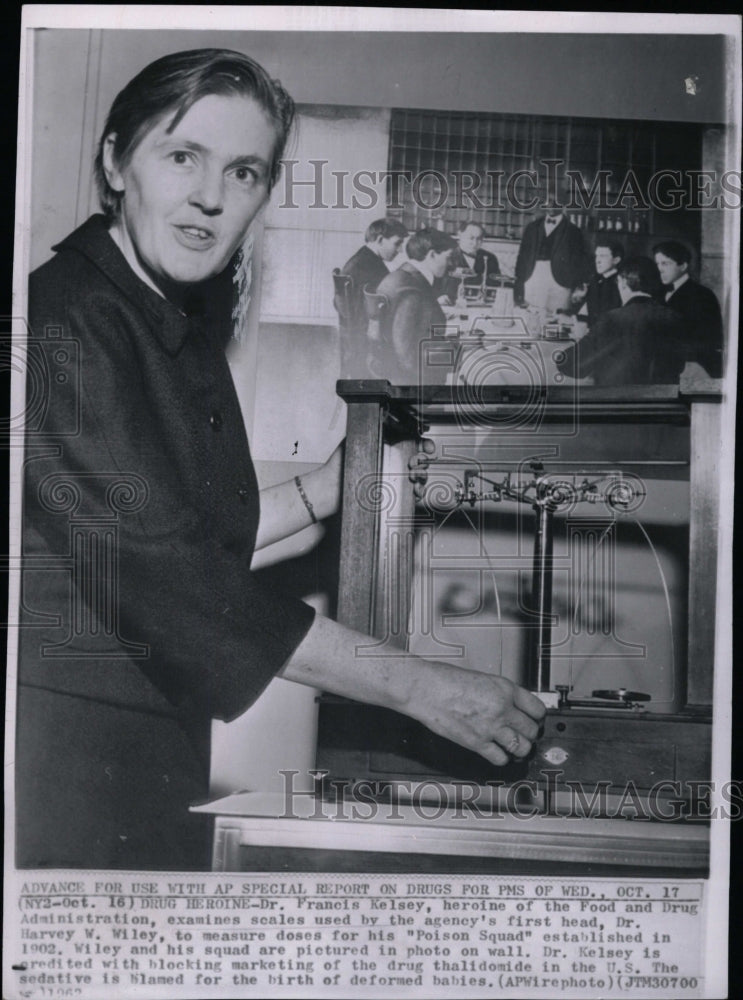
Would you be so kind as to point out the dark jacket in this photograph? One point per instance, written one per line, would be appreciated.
(484, 260)
(602, 295)
(700, 312)
(564, 248)
(140, 465)
(365, 268)
(413, 315)
(637, 344)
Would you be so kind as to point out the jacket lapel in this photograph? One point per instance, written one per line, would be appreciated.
(168, 325)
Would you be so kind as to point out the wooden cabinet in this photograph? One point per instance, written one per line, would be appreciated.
(671, 429)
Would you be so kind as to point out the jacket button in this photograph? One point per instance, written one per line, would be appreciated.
(216, 421)
(244, 493)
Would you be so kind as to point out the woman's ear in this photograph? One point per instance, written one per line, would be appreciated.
(112, 172)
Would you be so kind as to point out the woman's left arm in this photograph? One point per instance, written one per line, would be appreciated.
(289, 507)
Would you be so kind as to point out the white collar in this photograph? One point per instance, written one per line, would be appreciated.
(679, 282)
(418, 265)
(608, 274)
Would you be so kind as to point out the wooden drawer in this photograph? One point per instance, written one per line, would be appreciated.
(358, 741)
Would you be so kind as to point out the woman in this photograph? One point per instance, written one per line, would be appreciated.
(139, 474)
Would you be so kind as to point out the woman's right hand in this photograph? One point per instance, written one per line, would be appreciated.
(485, 713)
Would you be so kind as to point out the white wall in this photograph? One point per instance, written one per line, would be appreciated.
(303, 243)
(63, 91)
(297, 417)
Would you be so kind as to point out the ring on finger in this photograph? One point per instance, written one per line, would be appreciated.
(514, 745)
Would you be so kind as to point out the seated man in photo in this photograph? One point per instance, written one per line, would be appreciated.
(641, 343)
(470, 264)
(368, 266)
(413, 312)
(602, 291)
(696, 305)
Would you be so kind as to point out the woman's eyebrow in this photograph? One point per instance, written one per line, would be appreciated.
(173, 140)
(248, 159)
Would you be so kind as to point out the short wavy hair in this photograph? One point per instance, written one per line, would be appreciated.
(676, 251)
(641, 275)
(385, 228)
(172, 85)
(421, 243)
(613, 246)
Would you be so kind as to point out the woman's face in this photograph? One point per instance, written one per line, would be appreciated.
(191, 194)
